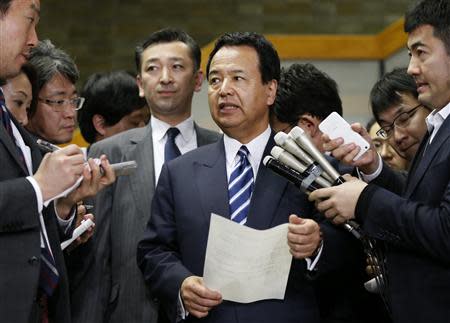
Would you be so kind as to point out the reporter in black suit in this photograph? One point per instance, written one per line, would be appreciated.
(412, 216)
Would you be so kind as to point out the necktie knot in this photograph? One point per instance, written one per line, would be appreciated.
(172, 133)
(243, 152)
(171, 150)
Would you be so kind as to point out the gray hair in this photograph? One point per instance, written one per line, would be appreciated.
(48, 61)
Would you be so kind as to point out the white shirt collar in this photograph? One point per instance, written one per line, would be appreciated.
(159, 128)
(255, 147)
(436, 118)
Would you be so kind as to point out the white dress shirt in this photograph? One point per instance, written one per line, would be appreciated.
(185, 141)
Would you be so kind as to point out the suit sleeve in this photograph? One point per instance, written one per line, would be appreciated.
(414, 225)
(158, 253)
(18, 206)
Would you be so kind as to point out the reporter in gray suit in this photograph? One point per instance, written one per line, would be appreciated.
(107, 285)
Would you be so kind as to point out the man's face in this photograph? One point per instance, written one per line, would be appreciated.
(55, 125)
(406, 140)
(17, 35)
(238, 100)
(386, 151)
(136, 119)
(18, 95)
(430, 67)
(167, 79)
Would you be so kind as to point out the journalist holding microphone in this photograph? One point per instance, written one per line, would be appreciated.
(411, 215)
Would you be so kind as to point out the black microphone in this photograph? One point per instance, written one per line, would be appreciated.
(288, 173)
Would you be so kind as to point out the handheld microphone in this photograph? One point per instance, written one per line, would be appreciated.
(284, 140)
(302, 139)
(286, 158)
(288, 173)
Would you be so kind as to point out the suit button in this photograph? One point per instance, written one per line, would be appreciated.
(33, 261)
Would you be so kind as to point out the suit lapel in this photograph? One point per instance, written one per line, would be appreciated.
(211, 179)
(142, 181)
(423, 163)
(269, 189)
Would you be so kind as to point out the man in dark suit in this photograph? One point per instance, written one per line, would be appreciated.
(29, 228)
(243, 71)
(412, 216)
(107, 285)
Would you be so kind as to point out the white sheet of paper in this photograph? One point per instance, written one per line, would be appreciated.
(246, 265)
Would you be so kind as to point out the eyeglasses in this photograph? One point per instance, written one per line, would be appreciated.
(59, 105)
(400, 121)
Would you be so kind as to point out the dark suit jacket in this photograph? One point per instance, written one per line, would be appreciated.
(174, 243)
(20, 238)
(106, 284)
(416, 227)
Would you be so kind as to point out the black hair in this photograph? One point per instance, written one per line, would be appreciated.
(4, 6)
(435, 13)
(388, 90)
(269, 62)
(168, 35)
(304, 89)
(31, 74)
(370, 123)
(112, 95)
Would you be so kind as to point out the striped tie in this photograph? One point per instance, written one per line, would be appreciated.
(49, 277)
(240, 188)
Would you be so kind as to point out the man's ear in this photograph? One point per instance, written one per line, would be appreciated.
(198, 80)
(99, 124)
(271, 91)
(139, 84)
(310, 124)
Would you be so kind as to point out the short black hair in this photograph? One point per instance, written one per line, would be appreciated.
(431, 12)
(387, 91)
(304, 89)
(31, 74)
(169, 35)
(112, 95)
(269, 62)
(4, 6)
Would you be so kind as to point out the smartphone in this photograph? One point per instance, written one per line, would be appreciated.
(335, 126)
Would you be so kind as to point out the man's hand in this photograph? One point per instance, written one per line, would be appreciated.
(304, 237)
(197, 298)
(338, 203)
(93, 180)
(59, 170)
(368, 162)
(82, 216)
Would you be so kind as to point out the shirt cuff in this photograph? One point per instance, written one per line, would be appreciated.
(370, 177)
(37, 190)
(182, 314)
(65, 225)
(312, 261)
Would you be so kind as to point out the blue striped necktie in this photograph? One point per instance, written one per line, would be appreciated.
(240, 188)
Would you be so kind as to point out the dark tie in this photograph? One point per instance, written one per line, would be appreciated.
(240, 188)
(171, 150)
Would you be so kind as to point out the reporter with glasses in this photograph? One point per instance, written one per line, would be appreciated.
(396, 108)
(54, 118)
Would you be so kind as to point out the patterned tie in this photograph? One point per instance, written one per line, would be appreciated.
(171, 150)
(240, 188)
(49, 277)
